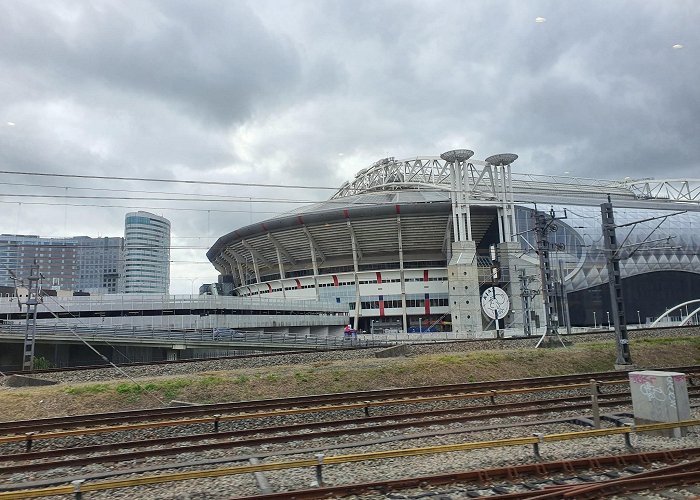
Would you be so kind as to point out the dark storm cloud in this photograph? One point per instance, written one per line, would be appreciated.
(596, 80)
(214, 58)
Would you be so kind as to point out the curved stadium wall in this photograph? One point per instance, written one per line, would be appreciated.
(384, 251)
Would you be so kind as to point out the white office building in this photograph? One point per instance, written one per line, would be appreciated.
(146, 253)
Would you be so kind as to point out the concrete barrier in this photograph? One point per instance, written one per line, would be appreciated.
(24, 381)
(392, 352)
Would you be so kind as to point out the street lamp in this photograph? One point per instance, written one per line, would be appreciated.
(608, 313)
(639, 319)
(595, 324)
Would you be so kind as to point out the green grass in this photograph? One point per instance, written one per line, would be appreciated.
(87, 389)
(363, 374)
(694, 341)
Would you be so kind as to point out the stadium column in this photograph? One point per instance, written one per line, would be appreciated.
(355, 250)
(463, 283)
(314, 263)
(252, 252)
(404, 318)
(233, 259)
(280, 264)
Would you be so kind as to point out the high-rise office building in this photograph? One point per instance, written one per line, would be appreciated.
(99, 264)
(146, 253)
(77, 263)
(55, 257)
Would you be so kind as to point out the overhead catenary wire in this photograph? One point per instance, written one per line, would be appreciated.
(172, 181)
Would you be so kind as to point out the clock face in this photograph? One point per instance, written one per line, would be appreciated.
(495, 302)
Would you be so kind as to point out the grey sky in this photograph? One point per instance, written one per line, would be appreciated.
(309, 92)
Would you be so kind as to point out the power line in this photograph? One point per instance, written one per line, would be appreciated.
(173, 181)
(131, 207)
(102, 197)
(112, 190)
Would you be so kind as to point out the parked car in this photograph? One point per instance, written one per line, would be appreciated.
(227, 333)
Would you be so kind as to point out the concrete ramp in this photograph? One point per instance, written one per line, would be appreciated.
(25, 381)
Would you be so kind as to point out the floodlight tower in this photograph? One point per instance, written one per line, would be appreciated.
(462, 271)
(459, 194)
(508, 248)
(504, 186)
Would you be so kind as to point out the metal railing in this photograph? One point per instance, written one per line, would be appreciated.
(224, 338)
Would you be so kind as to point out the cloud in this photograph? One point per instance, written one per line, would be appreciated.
(308, 93)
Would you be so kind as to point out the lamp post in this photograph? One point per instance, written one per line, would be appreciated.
(595, 324)
(639, 319)
(608, 313)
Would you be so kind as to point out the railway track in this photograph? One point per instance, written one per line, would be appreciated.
(362, 399)
(362, 420)
(563, 484)
(592, 477)
(298, 432)
(55, 456)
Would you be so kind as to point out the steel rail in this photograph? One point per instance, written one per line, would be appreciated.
(277, 453)
(667, 476)
(140, 415)
(29, 432)
(272, 435)
(496, 411)
(336, 459)
(515, 472)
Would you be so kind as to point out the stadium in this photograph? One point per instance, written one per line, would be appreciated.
(424, 244)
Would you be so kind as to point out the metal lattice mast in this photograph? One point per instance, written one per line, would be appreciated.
(526, 295)
(617, 303)
(543, 225)
(32, 305)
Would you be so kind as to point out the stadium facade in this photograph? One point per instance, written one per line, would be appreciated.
(411, 244)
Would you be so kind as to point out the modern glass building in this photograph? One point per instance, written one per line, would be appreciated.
(99, 263)
(55, 258)
(146, 254)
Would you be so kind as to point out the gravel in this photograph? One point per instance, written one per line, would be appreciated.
(284, 480)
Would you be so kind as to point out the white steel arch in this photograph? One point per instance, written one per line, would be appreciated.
(687, 318)
(674, 308)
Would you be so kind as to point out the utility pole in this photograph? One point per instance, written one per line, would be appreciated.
(564, 298)
(495, 278)
(32, 305)
(612, 255)
(526, 295)
(617, 303)
(544, 224)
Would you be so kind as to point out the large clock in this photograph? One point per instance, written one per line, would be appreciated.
(495, 302)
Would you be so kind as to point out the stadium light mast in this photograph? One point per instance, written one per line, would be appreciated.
(462, 271)
(504, 183)
(461, 216)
